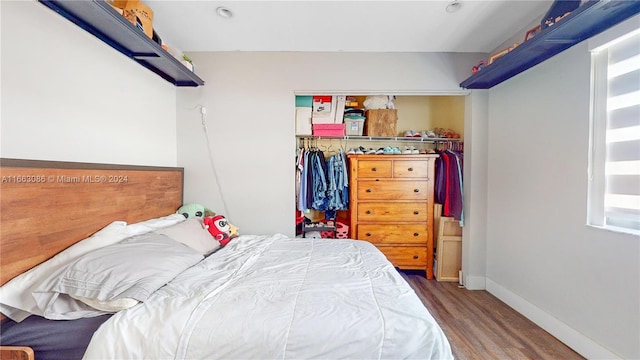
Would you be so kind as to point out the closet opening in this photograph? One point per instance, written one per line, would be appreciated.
(404, 132)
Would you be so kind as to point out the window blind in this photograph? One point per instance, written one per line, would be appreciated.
(622, 139)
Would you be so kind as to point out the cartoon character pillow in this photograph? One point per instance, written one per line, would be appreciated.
(194, 210)
(220, 229)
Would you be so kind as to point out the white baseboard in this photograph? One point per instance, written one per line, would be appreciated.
(474, 282)
(572, 338)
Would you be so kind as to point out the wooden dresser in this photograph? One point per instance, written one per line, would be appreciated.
(391, 206)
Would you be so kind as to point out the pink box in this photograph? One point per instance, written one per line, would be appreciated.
(328, 129)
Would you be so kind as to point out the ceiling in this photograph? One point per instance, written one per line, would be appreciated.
(329, 25)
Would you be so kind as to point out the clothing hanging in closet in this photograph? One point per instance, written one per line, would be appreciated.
(448, 184)
(322, 184)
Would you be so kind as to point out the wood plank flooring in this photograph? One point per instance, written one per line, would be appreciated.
(480, 326)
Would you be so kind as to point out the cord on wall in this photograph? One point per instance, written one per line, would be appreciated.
(203, 115)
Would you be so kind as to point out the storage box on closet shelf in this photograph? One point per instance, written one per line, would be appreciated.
(328, 129)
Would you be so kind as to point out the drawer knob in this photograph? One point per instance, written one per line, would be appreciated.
(416, 234)
(368, 190)
(416, 212)
(410, 169)
(416, 190)
(368, 211)
(368, 234)
(374, 169)
(415, 256)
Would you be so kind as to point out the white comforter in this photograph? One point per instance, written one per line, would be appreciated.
(265, 297)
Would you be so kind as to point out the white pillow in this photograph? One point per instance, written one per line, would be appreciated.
(192, 233)
(107, 306)
(133, 268)
(154, 224)
(16, 301)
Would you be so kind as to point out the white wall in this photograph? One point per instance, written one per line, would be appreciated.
(580, 283)
(474, 232)
(67, 96)
(250, 101)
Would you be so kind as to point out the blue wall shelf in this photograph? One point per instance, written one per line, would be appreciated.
(101, 20)
(584, 22)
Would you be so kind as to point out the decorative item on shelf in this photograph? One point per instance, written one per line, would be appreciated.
(479, 66)
(558, 10)
(137, 12)
(532, 32)
(550, 22)
(186, 61)
(180, 56)
(156, 37)
(501, 53)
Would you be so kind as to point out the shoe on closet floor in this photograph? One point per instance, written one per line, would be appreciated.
(351, 151)
(360, 151)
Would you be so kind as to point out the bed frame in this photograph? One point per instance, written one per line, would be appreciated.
(46, 206)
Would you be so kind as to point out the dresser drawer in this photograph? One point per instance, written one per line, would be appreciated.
(416, 234)
(392, 212)
(405, 256)
(410, 169)
(374, 168)
(393, 190)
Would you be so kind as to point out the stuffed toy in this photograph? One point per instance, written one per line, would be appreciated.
(194, 210)
(220, 229)
(233, 231)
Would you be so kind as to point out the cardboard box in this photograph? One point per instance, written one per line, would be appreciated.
(381, 122)
(303, 121)
(340, 105)
(304, 101)
(324, 109)
(139, 14)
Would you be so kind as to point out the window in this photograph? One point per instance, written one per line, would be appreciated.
(614, 172)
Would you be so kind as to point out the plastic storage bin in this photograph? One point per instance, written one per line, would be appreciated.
(353, 126)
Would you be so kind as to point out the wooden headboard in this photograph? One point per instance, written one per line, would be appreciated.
(46, 206)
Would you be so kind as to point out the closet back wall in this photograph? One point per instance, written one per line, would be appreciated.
(421, 113)
(250, 101)
(67, 96)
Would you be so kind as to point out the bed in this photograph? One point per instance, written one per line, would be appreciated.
(260, 296)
